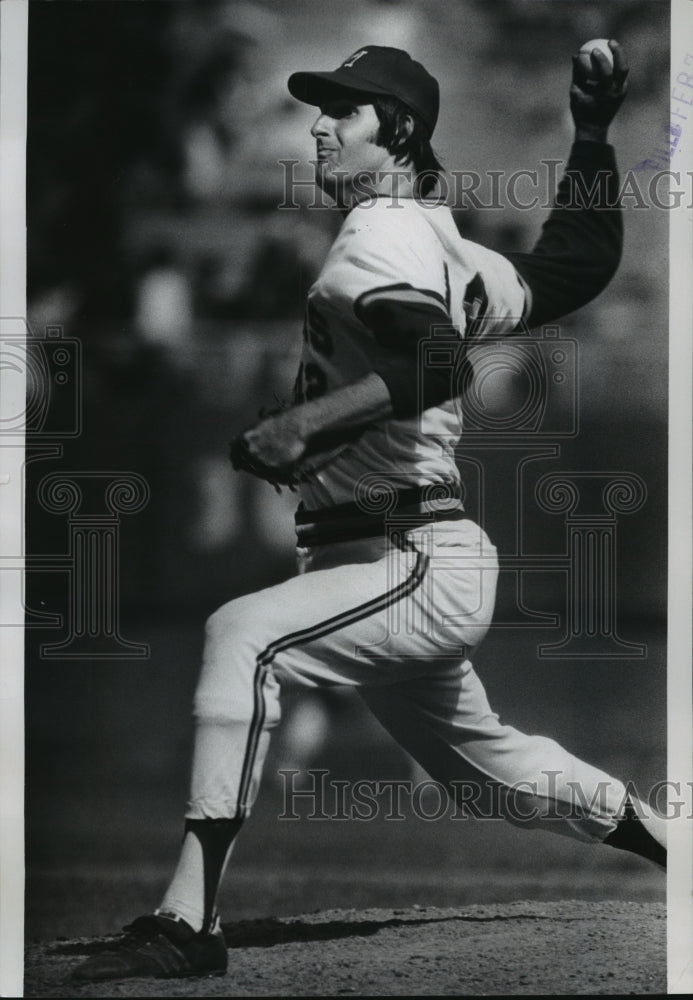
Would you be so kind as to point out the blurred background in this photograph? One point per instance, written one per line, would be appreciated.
(157, 248)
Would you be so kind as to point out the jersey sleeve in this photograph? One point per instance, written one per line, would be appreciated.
(394, 259)
(399, 273)
(580, 245)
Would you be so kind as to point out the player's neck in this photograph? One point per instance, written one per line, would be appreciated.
(395, 182)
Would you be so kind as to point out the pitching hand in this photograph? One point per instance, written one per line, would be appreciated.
(597, 90)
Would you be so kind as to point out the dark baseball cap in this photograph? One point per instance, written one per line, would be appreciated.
(375, 69)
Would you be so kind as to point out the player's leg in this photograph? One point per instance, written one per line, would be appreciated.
(492, 770)
(302, 627)
(445, 722)
(362, 623)
(310, 628)
(443, 718)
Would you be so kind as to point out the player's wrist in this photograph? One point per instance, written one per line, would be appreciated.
(300, 421)
(591, 133)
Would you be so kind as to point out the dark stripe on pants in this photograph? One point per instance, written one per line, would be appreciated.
(266, 657)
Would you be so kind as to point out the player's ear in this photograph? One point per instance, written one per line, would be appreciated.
(407, 126)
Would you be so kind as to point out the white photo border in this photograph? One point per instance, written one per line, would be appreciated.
(13, 74)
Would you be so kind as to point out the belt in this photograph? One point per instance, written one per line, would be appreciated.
(404, 510)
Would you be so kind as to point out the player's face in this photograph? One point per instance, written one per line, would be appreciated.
(345, 134)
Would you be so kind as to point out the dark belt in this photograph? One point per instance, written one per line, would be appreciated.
(404, 510)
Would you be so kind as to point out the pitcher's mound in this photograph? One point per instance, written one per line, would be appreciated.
(494, 950)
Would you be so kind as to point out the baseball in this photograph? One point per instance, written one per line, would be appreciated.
(598, 43)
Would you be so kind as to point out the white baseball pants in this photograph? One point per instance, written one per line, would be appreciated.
(397, 621)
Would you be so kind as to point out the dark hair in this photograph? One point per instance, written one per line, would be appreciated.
(415, 148)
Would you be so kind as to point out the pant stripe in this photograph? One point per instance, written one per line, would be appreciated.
(266, 658)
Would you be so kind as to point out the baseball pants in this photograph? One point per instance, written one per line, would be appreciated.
(397, 619)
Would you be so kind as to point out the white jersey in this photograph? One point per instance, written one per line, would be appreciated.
(410, 253)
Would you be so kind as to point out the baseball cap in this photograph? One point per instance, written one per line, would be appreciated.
(375, 69)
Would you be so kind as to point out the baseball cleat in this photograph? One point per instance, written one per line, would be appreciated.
(160, 947)
(642, 831)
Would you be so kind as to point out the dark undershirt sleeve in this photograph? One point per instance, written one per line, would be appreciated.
(580, 245)
(405, 329)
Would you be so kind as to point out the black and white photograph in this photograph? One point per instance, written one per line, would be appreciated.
(345, 468)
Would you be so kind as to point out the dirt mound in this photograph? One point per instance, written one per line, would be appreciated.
(497, 949)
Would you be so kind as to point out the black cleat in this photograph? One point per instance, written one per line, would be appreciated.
(632, 834)
(160, 947)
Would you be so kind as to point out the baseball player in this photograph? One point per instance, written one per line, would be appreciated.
(399, 583)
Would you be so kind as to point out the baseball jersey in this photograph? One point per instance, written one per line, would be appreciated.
(392, 260)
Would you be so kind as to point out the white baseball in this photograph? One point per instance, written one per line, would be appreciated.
(598, 43)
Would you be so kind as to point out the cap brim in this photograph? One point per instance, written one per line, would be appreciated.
(312, 88)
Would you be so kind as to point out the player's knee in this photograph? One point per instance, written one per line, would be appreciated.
(236, 628)
(235, 691)
(232, 677)
(220, 624)
(237, 703)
